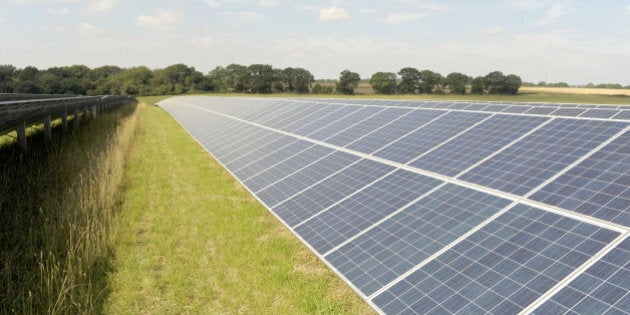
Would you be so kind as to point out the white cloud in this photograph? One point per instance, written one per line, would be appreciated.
(525, 5)
(102, 6)
(58, 11)
(628, 9)
(367, 11)
(239, 18)
(162, 20)
(333, 14)
(555, 12)
(492, 31)
(267, 3)
(404, 17)
(306, 7)
(32, 2)
(424, 5)
(212, 3)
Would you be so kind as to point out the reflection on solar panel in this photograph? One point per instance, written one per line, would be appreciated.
(440, 207)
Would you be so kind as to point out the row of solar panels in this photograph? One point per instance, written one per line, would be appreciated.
(431, 210)
(561, 110)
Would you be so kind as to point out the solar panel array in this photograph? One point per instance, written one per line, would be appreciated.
(440, 207)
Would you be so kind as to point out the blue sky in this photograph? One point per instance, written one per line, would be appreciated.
(541, 40)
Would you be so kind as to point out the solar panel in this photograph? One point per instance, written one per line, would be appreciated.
(440, 207)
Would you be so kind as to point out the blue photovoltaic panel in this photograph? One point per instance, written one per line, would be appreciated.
(301, 111)
(464, 151)
(273, 145)
(272, 159)
(364, 127)
(600, 113)
(343, 123)
(500, 269)
(569, 112)
(528, 163)
(293, 162)
(339, 112)
(623, 114)
(305, 177)
(299, 122)
(392, 248)
(330, 191)
(363, 209)
(394, 130)
(601, 289)
(599, 186)
(429, 136)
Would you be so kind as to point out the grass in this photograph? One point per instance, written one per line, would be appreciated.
(191, 240)
(57, 203)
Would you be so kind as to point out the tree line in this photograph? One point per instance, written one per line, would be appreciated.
(414, 81)
(255, 78)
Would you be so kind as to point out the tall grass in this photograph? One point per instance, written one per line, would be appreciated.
(57, 206)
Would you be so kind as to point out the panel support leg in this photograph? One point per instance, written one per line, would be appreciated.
(77, 118)
(21, 133)
(64, 120)
(47, 129)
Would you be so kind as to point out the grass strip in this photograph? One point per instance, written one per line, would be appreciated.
(191, 239)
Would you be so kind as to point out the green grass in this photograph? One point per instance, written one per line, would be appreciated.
(190, 239)
(57, 202)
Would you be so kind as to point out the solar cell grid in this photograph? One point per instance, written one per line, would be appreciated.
(528, 163)
(265, 162)
(344, 122)
(462, 152)
(599, 186)
(340, 222)
(313, 172)
(428, 136)
(499, 269)
(601, 289)
(324, 194)
(366, 126)
(291, 163)
(264, 149)
(394, 130)
(338, 112)
(394, 247)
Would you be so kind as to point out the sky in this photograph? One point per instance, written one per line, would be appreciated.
(571, 41)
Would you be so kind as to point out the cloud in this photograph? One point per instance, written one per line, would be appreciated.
(492, 31)
(32, 2)
(102, 6)
(162, 20)
(244, 17)
(555, 12)
(404, 17)
(367, 11)
(306, 7)
(333, 14)
(59, 11)
(628, 9)
(212, 3)
(525, 5)
(423, 5)
(267, 3)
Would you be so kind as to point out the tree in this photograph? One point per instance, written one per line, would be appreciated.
(494, 82)
(298, 80)
(322, 89)
(236, 77)
(428, 81)
(409, 80)
(6, 78)
(348, 81)
(456, 82)
(383, 82)
(260, 78)
(478, 85)
(219, 79)
(512, 84)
